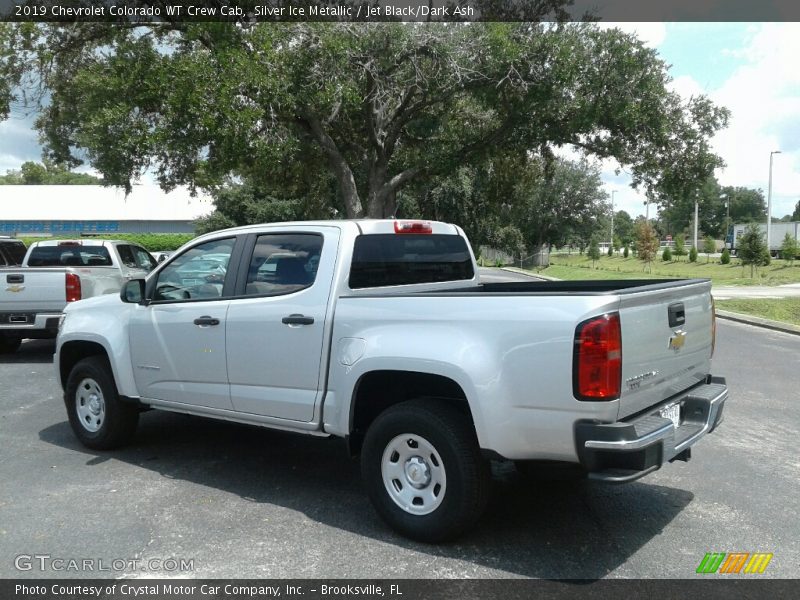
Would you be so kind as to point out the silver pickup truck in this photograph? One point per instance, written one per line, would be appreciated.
(57, 272)
(381, 333)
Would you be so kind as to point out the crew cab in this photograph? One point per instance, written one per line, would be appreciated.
(380, 332)
(55, 273)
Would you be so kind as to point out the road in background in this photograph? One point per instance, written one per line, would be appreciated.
(247, 502)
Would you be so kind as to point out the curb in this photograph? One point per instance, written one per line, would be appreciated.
(759, 322)
(529, 274)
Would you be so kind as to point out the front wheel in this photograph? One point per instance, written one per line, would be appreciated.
(423, 470)
(98, 417)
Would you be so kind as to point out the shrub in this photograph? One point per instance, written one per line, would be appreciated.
(725, 259)
(667, 255)
(693, 254)
(154, 242)
(626, 251)
(610, 251)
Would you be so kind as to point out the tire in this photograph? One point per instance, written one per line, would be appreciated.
(99, 419)
(9, 343)
(409, 450)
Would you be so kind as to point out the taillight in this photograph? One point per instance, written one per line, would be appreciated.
(73, 287)
(713, 326)
(413, 227)
(597, 359)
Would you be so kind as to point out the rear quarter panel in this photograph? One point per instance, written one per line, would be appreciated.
(511, 355)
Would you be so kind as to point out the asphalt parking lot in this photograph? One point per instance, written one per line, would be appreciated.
(244, 502)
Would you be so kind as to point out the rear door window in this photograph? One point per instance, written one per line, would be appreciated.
(283, 263)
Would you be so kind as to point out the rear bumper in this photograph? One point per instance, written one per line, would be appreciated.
(627, 450)
(29, 324)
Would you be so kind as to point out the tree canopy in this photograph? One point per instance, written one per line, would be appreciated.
(350, 114)
(32, 173)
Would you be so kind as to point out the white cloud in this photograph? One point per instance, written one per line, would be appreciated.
(763, 95)
(652, 34)
(764, 98)
(19, 144)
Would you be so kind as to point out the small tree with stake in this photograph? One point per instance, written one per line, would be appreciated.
(790, 249)
(709, 246)
(646, 243)
(594, 252)
(680, 245)
(752, 249)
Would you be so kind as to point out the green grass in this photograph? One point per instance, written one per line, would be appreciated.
(577, 266)
(783, 309)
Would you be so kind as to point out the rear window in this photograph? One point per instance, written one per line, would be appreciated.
(392, 259)
(69, 256)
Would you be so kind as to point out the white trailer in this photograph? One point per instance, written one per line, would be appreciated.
(779, 231)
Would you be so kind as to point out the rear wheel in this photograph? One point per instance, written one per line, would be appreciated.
(9, 343)
(423, 470)
(98, 417)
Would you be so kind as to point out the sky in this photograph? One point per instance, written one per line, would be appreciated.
(752, 70)
(749, 68)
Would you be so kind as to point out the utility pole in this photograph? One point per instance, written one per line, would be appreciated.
(612, 217)
(769, 202)
(695, 221)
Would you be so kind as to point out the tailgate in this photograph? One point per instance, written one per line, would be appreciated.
(33, 290)
(663, 354)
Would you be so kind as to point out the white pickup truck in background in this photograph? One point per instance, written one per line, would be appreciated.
(57, 272)
(381, 333)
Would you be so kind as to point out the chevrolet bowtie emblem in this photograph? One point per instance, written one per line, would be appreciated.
(677, 340)
(15, 288)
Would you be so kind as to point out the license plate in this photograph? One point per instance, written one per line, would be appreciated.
(673, 413)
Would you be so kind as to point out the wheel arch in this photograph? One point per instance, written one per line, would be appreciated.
(71, 353)
(377, 390)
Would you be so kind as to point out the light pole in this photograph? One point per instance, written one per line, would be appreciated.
(727, 217)
(612, 217)
(769, 203)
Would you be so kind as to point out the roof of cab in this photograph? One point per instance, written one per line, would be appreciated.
(365, 226)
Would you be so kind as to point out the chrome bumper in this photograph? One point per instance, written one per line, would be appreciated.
(627, 450)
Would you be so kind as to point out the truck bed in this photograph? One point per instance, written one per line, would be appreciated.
(600, 287)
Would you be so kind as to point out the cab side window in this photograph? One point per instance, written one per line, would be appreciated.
(126, 256)
(283, 263)
(197, 274)
(143, 259)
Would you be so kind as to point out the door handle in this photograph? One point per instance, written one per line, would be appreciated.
(206, 321)
(297, 320)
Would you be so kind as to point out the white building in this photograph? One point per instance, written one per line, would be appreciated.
(93, 209)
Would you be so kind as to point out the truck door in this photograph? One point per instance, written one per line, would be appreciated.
(276, 323)
(178, 340)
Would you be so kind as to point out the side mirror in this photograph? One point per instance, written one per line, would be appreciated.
(133, 291)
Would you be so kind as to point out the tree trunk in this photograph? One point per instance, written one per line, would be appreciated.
(338, 164)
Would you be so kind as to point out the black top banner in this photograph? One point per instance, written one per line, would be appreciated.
(249, 11)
